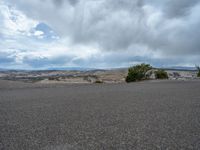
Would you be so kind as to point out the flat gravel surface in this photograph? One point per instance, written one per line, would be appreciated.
(145, 115)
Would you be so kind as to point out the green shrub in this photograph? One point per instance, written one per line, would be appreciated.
(53, 78)
(198, 69)
(161, 74)
(98, 81)
(137, 73)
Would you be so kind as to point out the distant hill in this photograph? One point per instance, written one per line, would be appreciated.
(71, 68)
(181, 68)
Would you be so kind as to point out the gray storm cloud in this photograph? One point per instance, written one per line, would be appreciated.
(178, 8)
(168, 27)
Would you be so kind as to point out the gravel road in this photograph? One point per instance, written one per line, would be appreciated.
(145, 115)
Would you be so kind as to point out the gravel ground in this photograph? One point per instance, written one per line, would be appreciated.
(145, 115)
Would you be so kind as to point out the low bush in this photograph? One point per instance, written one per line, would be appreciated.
(98, 81)
(137, 73)
(161, 74)
(53, 78)
(198, 69)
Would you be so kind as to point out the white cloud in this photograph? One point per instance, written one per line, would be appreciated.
(14, 22)
(38, 33)
(100, 33)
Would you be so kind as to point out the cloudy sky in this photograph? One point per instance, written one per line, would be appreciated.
(42, 34)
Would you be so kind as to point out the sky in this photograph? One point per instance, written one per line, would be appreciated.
(43, 34)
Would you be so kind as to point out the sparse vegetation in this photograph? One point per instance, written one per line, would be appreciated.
(161, 74)
(53, 78)
(198, 69)
(98, 81)
(137, 73)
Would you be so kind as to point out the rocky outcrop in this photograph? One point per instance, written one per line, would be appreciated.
(174, 74)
